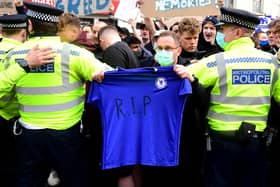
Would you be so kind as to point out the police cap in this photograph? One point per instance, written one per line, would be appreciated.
(16, 21)
(239, 17)
(42, 12)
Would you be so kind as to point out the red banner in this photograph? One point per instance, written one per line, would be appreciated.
(49, 2)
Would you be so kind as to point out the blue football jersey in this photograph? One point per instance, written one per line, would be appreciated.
(141, 113)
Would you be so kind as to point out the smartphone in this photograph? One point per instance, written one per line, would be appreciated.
(140, 25)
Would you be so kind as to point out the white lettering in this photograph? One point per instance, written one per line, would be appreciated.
(243, 79)
(251, 79)
(184, 4)
(164, 5)
(235, 79)
(48, 2)
(46, 68)
(159, 6)
(267, 79)
(175, 4)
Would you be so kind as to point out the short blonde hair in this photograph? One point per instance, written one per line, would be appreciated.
(190, 25)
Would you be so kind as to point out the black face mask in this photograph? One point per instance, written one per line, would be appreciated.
(138, 53)
(266, 47)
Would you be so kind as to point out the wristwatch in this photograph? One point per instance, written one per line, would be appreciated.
(24, 64)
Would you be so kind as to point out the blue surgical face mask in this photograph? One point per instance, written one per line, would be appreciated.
(220, 38)
(263, 43)
(164, 58)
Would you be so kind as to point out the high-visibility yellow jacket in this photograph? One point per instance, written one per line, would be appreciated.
(6, 45)
(9, 77)
(8, 102)
(242, 80)
(52, 95)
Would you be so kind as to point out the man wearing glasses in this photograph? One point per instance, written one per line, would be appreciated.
(188, 172)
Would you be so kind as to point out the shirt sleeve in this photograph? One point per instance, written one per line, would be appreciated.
(276, 89)
(93, 96)
(9, 77)
(205, 70)
(87, 64)
(186, 87)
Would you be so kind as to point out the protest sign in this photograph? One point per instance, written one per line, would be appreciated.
(84, 7)
(7, 7)
(48, 2)
(172, 8)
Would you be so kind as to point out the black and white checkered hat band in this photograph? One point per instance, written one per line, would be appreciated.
(42, 16)
(238, 21)
(14, 25)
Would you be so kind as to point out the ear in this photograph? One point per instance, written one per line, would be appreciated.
(30, 26)
(23, 35)
(239, 32)
(179, 50)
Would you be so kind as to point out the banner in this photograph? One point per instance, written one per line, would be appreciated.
(7, 7)
(127, 10)
(84, 7)
(172, 8)
(77, 7)
(48, 2)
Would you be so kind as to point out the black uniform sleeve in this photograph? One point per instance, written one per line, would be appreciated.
(273, 120)
(21, 10)
(201, 95)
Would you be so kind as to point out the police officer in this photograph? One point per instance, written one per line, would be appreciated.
(51, 99)
(14, 33)
(242, 79)
(8, 78)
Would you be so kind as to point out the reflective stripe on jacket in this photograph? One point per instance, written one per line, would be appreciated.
(8, 102)
(242, 79)
(52, 95)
